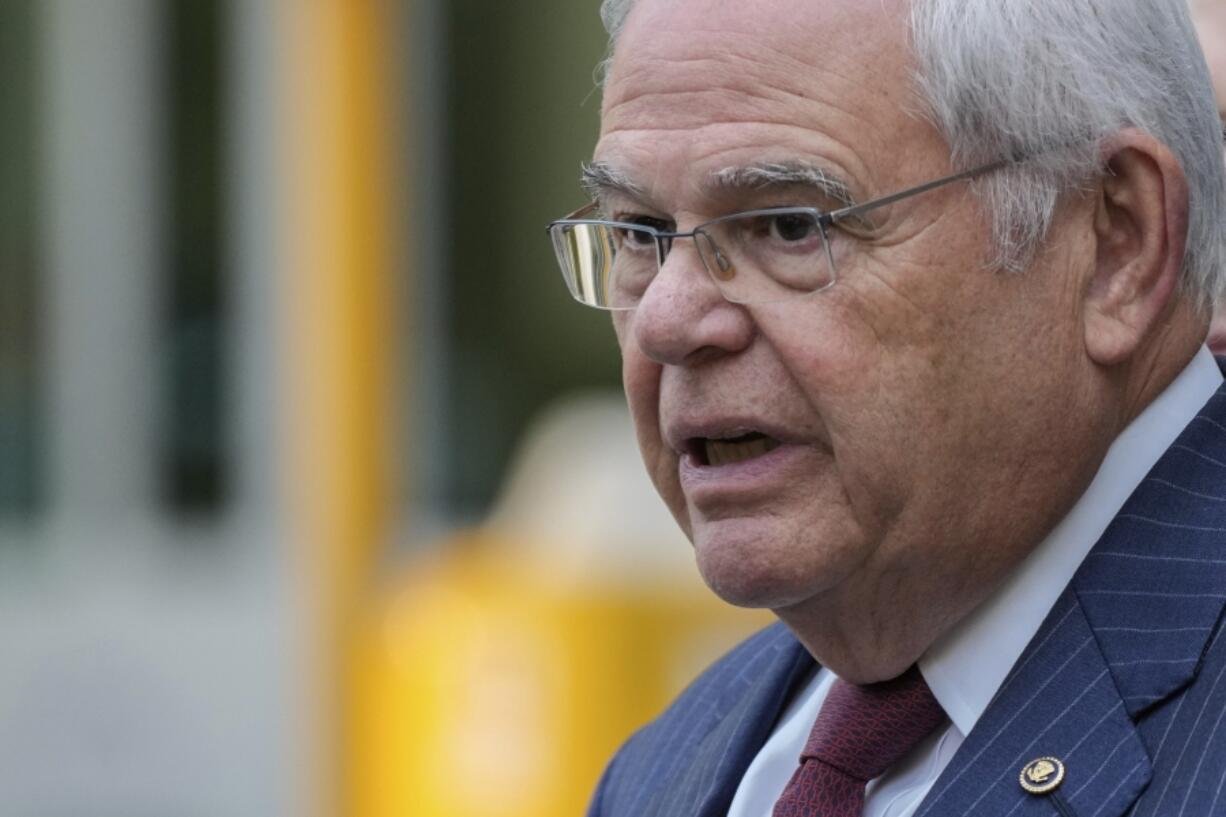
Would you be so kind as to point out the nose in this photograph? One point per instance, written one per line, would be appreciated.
(682, 319)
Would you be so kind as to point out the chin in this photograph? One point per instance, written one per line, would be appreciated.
(749, 564)
(749, 592)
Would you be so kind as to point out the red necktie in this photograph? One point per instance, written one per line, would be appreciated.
(860, 733)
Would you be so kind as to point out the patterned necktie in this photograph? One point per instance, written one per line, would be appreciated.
(860, 733)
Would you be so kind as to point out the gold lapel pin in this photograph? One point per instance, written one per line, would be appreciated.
(1042, 776)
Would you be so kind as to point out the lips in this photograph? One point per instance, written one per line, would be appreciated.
(715, 442)
(729, 468)
(730, 451)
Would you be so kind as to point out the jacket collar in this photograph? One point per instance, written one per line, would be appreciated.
(740, 722)
(1153, 588)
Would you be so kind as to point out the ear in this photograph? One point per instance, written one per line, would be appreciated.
(1140, 227)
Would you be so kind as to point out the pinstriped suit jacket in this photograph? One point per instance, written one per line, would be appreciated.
(1125, 681)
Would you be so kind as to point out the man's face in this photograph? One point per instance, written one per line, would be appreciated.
(915, 411)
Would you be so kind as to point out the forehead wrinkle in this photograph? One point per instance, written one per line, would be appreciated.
(734, 55)
(697, 77)
(768, 175)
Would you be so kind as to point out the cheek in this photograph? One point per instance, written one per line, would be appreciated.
(866, 388)
(641, 380)
(833, 359)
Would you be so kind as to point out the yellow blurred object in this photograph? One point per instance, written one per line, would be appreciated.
(499, 677)
(491, 688)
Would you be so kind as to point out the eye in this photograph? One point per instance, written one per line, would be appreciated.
(648, 221)
(789, 232)
(639, 238)
(792, 227)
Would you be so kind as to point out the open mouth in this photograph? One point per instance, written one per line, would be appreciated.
(732, 450)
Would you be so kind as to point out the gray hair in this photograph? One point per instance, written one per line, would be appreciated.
(1052, 80)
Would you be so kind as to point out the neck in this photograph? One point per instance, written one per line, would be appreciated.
(1154, 367)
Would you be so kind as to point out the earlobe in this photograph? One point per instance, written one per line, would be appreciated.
(1140, 230)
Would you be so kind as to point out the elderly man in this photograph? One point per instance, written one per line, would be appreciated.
(912, 298)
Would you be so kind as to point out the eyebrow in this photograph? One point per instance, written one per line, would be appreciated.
(770, 175)
(599, 179)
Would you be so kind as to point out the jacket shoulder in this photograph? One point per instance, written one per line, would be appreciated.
(655, 755)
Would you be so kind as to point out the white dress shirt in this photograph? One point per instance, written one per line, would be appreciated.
(967, 665)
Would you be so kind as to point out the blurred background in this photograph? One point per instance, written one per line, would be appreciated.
(317, 493)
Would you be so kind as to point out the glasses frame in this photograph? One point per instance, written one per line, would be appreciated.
(664, 238)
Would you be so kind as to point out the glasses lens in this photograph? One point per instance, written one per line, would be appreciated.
(770, 256)
(605, 265)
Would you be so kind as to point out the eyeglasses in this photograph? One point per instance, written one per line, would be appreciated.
(754, 257)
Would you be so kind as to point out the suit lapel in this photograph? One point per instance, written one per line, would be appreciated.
(1153, 587)
(741, 723)
(1060, 701)
(1126, 634)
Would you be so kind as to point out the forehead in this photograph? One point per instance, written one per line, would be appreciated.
(697, 86)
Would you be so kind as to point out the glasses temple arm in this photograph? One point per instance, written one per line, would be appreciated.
(858, 209)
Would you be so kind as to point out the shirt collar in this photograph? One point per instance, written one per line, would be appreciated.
(966, 666)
